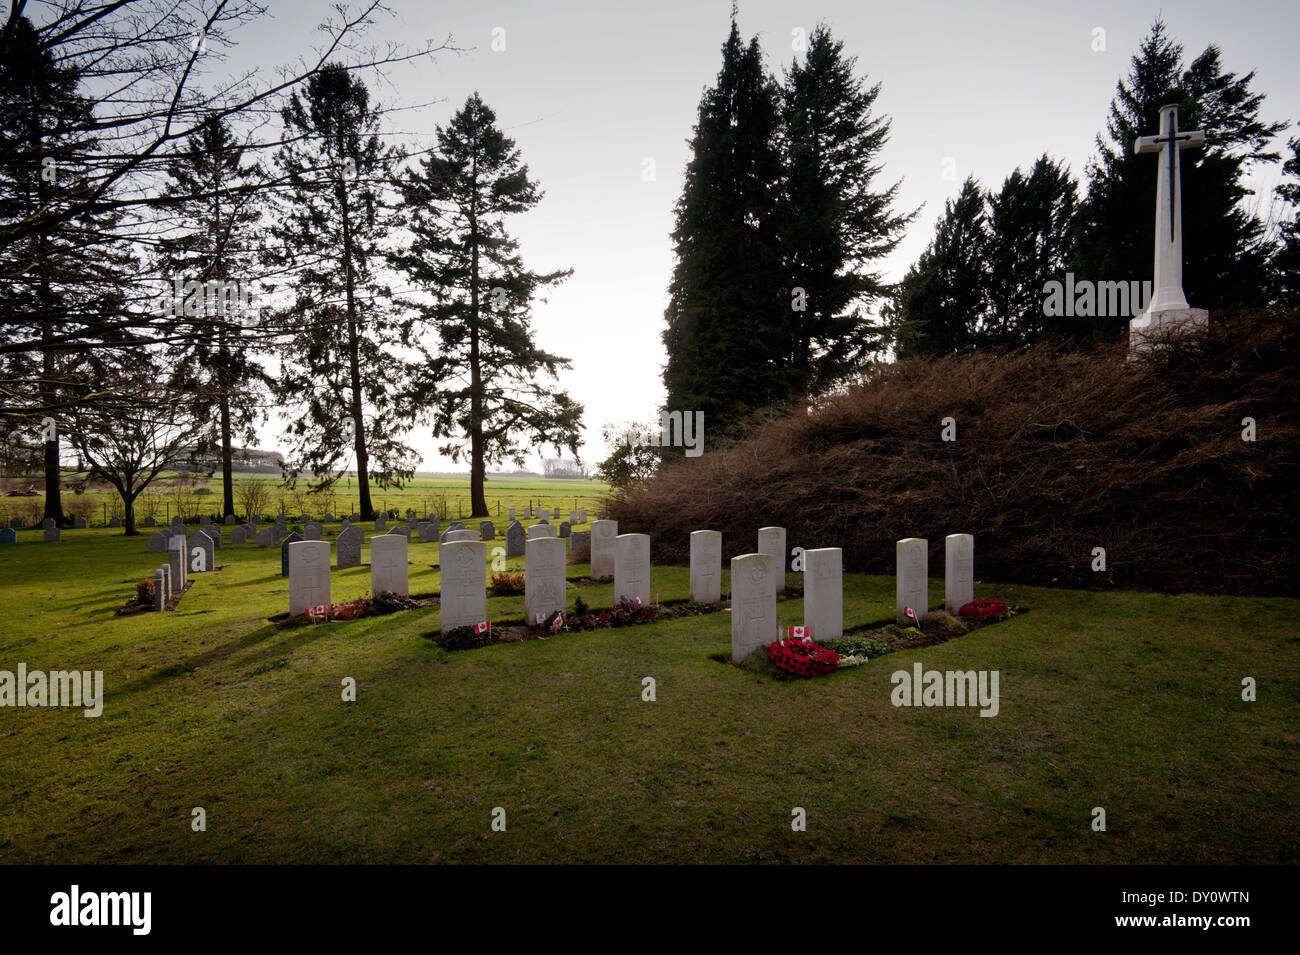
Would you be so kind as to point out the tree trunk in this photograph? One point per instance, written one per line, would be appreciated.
(128, 519)
(227, 482)
(477, 467)
(53, 496)
(354, 373)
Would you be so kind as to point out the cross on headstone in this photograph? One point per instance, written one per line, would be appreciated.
(1168, 304)
(388, 561)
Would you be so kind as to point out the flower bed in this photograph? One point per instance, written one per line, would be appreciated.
(802, 657)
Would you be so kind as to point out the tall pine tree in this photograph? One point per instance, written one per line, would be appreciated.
(215, 238)
(338, 366)
(70, 271)
(727, 317)
(1286, 262)
(942, 301)
(836, 219)
(1030, 223)
(487, 385)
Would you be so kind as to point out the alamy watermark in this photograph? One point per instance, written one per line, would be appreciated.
(129, 909)
(215, 298)
(677, 429)
(83, 688)
(1088, 299)
(950, 688)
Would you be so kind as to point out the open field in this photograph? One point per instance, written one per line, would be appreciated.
(1128, 701)
(444, 494)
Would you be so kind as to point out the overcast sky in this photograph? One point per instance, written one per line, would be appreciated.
(591, 89)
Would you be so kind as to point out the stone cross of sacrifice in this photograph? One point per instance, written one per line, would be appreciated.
(1168, 279)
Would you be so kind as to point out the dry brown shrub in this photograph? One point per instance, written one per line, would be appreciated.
(1055, 454)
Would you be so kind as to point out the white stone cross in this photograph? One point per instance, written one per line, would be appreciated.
(1168, 305)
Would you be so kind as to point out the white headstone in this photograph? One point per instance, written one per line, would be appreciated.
(388, 565)
(911, 587)
(309, 576)
(463, 598)
(771, 540)
(706, 567)
(632, 567)
(753, 604)
(823, 592)
(958, 571)
(603, 535)
(541, 530)
(544, 583)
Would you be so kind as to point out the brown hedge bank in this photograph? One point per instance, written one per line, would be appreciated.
(1055, 454)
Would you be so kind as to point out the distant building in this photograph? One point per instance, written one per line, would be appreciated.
(244, 460)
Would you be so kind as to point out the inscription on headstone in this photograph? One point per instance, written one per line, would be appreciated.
(309, 575)
(823, 592)
(603, 535)
(911, 588)
(753, 604)
(706, 567)
(958, 571)
(544, 583)
(388, 564)
(463, 597)
(632, 568)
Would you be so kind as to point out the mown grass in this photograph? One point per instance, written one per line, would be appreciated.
(1128, 701)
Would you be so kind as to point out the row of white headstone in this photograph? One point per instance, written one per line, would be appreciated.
(756, 579)
(309, 570)
(578, 516)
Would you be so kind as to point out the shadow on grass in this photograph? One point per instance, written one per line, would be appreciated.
(291, 640)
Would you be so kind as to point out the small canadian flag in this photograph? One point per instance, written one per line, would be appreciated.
(910, 614)
(318, 611)
(484, 627)
(800, 633)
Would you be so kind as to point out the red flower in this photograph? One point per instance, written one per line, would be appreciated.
(983, 610)
(803, 658)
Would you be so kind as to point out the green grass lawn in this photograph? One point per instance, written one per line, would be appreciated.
(1128, 701)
